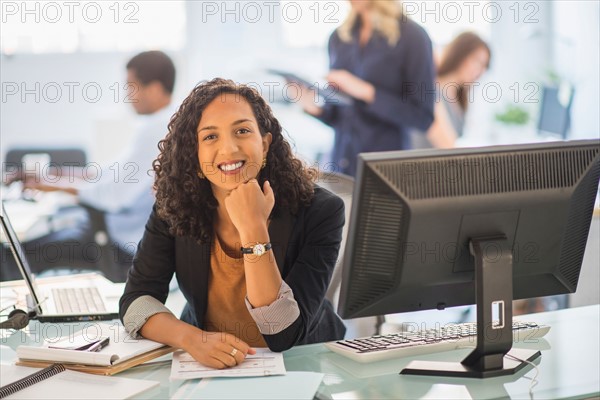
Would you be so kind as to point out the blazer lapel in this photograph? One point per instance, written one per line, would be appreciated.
(280, 230)
(196, 261)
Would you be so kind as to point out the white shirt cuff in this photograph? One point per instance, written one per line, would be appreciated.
(278, 315)
(139, 311)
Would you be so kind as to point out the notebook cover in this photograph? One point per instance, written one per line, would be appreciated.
(100, 370)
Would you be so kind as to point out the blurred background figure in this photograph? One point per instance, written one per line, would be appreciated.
(121, 194)
(462, 63)
(383, 60)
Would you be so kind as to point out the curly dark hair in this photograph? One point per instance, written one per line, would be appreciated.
(185, 201)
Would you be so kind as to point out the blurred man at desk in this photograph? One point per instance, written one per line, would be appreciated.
(123, 188)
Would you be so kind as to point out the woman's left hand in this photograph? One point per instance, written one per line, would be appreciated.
(249, 207)
(352, 85)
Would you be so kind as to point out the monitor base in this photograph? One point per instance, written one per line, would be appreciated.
(458, 370)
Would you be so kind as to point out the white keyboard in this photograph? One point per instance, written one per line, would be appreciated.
(78, 300)
(407, 344)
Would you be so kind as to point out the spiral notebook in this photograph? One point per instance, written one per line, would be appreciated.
(56, 382)
(121, 353)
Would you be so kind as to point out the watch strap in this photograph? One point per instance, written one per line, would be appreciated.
(251, 250)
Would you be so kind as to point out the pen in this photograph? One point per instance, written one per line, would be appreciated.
(99, 345)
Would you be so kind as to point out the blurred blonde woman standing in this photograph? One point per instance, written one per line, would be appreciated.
(383, 60)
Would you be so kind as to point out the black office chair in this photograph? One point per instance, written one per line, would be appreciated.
(111, 259)
(343, 186)
(15, 162)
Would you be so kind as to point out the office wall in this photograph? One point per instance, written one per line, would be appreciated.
(68, 99)
(577, 59)
(523, 51)
(588, 290)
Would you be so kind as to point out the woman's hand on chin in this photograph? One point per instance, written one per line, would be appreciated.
(249, 207)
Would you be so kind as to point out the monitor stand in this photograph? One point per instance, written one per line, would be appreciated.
(494, 294)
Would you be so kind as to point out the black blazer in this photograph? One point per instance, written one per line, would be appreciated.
(305, 247)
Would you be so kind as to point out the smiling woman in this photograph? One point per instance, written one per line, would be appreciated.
(238, 219)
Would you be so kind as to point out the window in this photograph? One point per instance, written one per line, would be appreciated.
(309, 23)
(91, 26)
(444, 20)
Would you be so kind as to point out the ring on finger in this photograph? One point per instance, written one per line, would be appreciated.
(233, 352)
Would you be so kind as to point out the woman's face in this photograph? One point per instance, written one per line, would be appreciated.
(230, 147)
(474, 65)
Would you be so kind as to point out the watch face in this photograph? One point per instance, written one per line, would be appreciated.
(258, 250)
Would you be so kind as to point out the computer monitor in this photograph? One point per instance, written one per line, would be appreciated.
(432, 229)
(555, 110)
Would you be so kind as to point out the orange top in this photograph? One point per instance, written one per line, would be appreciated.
(226, 310)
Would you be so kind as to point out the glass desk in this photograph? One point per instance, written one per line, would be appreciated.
(569, 366)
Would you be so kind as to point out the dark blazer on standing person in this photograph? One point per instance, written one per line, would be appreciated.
(403, 76)
(305, 246)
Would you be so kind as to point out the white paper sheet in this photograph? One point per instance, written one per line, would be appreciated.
(263, 363)
(74, 385)
(295, 385)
